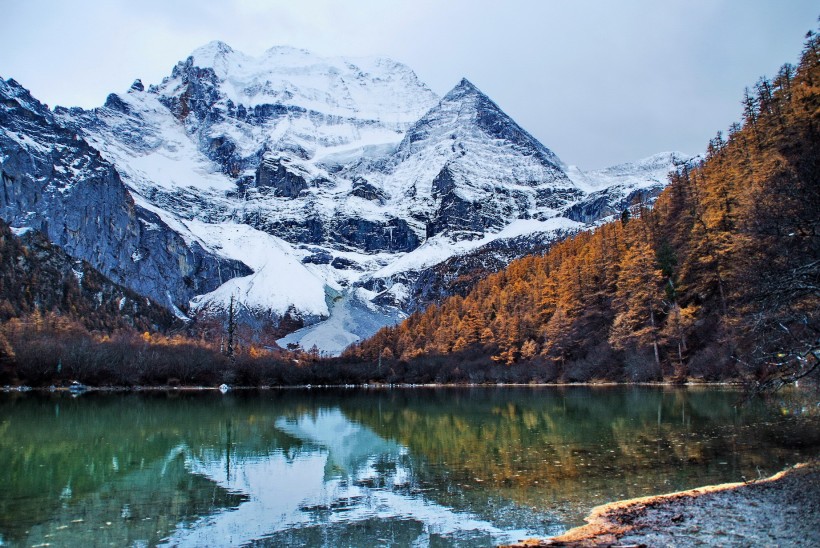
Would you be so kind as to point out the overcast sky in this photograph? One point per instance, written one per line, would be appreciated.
(598, 82)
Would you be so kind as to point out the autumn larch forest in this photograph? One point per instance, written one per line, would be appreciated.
(719, 280)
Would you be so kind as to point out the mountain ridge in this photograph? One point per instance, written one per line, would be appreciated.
(55, 181)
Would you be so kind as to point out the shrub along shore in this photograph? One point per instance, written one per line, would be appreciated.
(50, 350)
(44, 350)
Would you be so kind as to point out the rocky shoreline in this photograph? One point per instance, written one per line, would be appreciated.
(783, 510)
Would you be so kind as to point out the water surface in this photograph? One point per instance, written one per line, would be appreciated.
(402, 467)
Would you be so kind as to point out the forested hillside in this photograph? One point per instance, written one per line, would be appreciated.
(37, 276)
(720, 280)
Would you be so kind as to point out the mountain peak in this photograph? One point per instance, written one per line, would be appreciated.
(16, 93)
(465, 108)
(466, 85)
(371, 89)
(206, 56)
(213, 47)
(465, 89)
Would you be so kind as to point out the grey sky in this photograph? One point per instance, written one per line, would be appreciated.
(599, 82)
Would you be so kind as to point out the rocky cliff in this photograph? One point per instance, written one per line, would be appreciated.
(55, 182)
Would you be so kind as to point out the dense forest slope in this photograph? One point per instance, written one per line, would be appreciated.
(36, 275)
(57, 312)
(720, 280)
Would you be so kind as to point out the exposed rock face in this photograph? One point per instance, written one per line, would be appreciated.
(394, 235)
(53, 181)
(610, 202)
(274, 173)
(36, 274)
(197, 94)
(363, 189)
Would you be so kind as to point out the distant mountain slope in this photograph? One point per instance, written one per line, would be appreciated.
(615, 189)
(324, 193)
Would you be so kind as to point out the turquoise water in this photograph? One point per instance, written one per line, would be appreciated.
(400, 467)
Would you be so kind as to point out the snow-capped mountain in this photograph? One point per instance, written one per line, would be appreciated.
(55, 182)
(327, 192)
(466, 168)
(614, 189)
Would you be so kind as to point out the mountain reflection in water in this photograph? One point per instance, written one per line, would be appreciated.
(391, 467)
(342, 476)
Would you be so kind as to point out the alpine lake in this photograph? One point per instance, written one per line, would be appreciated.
(472, 466)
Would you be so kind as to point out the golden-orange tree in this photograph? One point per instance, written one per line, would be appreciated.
(721, 279)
